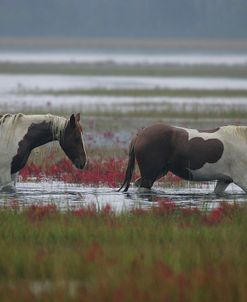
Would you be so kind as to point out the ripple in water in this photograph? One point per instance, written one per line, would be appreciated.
(73, 196)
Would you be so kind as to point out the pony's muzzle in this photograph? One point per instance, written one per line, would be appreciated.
(79, 164)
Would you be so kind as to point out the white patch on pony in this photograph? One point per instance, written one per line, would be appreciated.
(233, 162)
(195, 133)
(13, 128)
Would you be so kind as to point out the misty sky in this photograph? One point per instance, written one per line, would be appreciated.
(124, 18)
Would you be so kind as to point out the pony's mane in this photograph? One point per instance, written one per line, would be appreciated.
(58, 126)
(10, 122)
(11, 119)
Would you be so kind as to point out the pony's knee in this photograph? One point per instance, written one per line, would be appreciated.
(8, 188)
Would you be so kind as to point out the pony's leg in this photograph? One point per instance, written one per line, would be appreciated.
(137, 182)
(6, 182)
(152, 165)
(221, 187)
(145, 183)
(13, 178)
(5, 178)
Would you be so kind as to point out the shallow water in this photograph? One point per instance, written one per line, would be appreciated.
(124, 58)
(22, 83)
(111, 103)
(73, 196)
(70, 103)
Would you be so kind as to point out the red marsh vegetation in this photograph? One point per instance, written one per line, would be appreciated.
(109, 171)
(163, 253)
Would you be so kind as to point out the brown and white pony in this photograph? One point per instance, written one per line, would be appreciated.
(217, 154)
(20, 133)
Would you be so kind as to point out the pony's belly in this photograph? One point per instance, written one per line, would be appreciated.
(210, 172)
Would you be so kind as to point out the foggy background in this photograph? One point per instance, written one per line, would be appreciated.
(124, 18)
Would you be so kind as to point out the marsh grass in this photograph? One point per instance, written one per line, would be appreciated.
(108, 69)
(163, 254)
(168, 113)
(156, 92)
(172, 113)
(148, 107)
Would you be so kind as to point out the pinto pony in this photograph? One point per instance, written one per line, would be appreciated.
(217, 154)
(20, 133)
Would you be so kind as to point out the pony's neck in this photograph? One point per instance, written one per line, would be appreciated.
(40, 130)
(44, 129)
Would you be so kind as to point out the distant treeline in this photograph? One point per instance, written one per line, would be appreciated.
(124, 18)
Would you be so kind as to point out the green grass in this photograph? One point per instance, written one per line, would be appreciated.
(149, 109)
(172, 114)
(124, 70)
(144, 117)
(161, 255)
(157, 92)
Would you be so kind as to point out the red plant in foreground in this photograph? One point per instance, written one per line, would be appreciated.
(93, 252)
(86, 211)
(39, 212)
(165, 208)
(216, 216)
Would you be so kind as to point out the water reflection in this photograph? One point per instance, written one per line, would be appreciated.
(73, 196)
(126, 57)
(23, 83)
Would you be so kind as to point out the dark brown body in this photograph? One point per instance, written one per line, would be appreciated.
(161, 148)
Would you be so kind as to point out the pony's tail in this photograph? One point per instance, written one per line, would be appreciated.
(130, 168)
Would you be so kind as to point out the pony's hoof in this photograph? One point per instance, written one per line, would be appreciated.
(220, 194)
(143, 190)
(8, 189)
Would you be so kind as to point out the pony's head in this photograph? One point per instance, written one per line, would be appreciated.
(72, 142)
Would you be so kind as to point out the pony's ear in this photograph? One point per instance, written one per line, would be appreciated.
(72, 121)
(78, 117)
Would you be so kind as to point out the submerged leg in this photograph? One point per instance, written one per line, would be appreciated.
(13, 178)
(5, 177)
(221, 186)
(138, 181)
(146, 183)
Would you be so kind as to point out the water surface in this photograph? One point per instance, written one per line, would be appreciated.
(27, 83)
(143, 58)
(73, 196)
